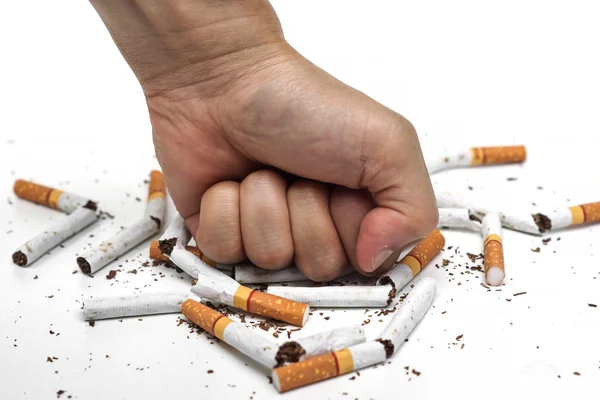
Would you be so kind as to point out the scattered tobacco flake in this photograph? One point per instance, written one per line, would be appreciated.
(352, 378)
(518, 294)
(35, 277)
(111, 274)
(49, 359)
(592, 305)
(59, 393)
(540, 188)
(210, 371)
(576, 373)
(414, 371)
(546, 241)
(512, 178)
(92, 323)
(51, 296)
(470, 187)
(74, 272)
(132, 271)
(536, 250)
(459, 337)
(445, 262)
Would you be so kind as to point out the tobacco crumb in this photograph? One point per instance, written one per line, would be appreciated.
(543, 222)
(518, 294)
(84, 266)
(74, 271)
(92, 323)
(536, 250)
(592, 305)
(414, 371)
(59, 393)
(35, 277)
(19, 258)
(546, 241)
(388, 346)
(166, 246)
(132, 271)
(289, 352)
(210, 371)
(576, 373)
(111, 274)
(49, 359)
(91, 205)
(459, 337)
(352, 378)
(511, 178)
(470, 187)
(445, 262)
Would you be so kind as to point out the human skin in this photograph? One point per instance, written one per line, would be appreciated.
(266, 156)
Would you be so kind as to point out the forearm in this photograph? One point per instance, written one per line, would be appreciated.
(169, 42)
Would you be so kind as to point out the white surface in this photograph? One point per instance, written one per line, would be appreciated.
(465, 73)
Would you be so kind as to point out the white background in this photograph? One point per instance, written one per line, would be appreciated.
(466, 74)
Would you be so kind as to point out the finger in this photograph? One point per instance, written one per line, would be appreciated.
(265, 221)
(319, 254)
(349, 140)
(219, 235)
(348, 207)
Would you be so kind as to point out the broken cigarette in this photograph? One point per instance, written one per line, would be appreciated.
(156, 254)
(414, 261)
(104, 307)
(362, 355)
(493, 254)
(337, 296)
(49, 197)
(54, 235)
(95, 259)
(477, 156)
(262, 350)
(251, 274)
(459, 218)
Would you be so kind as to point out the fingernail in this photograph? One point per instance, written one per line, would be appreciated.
(384, 260)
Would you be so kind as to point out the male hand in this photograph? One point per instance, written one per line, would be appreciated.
(266, 156)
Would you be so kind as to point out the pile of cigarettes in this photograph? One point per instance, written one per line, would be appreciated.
(312, 358)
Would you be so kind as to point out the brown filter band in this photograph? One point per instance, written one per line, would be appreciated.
(157, 186)
(493, 253)
(424, 252)
(589, 212)
(39, 194)
(313, 370)
(498, 155)
(156, 254)
(270, 306)
(205, 317)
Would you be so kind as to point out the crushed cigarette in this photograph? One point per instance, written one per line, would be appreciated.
(57, 233)
(50, 197)
(362, 355)
(493, 253)
(337, 296)
(477, 156)
(96, 258)
(414, 262)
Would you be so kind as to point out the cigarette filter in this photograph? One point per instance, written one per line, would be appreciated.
(493, 254)
(95, 259)
(415, 261)
(57, 233)
(248, 273)
(337, 296)
(49, 197)
(103, 307)
(477, 156)
(362, 355)
(459, 218)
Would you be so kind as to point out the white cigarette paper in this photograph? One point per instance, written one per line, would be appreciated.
(177, 230)
(449, 161)
(332, 340)
(409, 315)
(71, 202)
(57, 233)
(458, 218)
(337, 296)
(104, 307)
(248, 273)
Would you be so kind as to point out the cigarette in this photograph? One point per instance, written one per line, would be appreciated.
(459, 218)
(49, 197)
(176, 232)
(95, 259)
(414, 261)
(362, 355)
(337, 296)
(104, 307)
(156, 254)
(493, 254)
(57, 233)
(477, 156)
(260, 349)
(228, 291)
(248, 273)
(409, 315)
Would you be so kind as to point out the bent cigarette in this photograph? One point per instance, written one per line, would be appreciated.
(362, 355)
(259, 348)
(414, 261)
(337, 296)
(477, 156)
(57, 233)
(493, 254)
(49, 197)
(96, 308)
(409, 315)
(95, 259)
(248, 273)
(459, 218)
